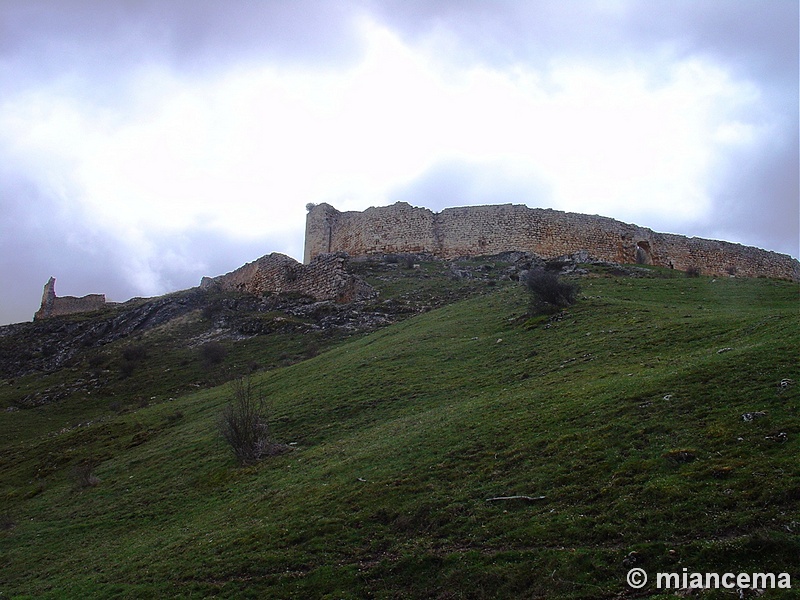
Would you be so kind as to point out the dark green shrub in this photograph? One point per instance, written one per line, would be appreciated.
(134, 353)
(6, 523)
(97, 360)
(681, 456)
(173, 418)
(548, 291)
(127, 368)
(213, 353)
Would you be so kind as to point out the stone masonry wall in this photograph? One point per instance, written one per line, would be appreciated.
(324, 278)
(53, 306)
(402, 229)
(485, 230)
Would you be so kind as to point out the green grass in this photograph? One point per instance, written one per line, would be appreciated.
(624, 412)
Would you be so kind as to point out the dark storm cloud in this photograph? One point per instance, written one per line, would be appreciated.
(759, 36)
(758, 39)
(99, 41)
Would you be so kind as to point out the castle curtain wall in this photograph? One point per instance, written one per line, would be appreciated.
(486, 230)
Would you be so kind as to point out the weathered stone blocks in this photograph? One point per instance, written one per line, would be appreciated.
(484, 230)
(324, 278)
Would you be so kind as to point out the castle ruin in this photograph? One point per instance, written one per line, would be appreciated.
(53, 306)
(487, 230)
(455, 232)
(324, 278)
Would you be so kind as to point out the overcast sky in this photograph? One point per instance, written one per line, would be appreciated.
(144, 144)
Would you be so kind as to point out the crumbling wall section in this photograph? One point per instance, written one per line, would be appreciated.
(324, 278)
(485, 230)
(53, 306)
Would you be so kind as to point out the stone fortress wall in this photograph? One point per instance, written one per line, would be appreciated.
(486, 230)
(53, 306)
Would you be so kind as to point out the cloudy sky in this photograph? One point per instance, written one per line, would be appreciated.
(146, 143)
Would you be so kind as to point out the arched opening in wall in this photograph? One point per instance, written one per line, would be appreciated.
(643, 255)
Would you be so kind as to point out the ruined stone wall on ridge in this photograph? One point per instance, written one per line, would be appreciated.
(486, 230)
(401, 228)
(324, 278)
(480, 230)
(53, 306)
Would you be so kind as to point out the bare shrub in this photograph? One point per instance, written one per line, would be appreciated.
(244, 425)
(548, 291)
(693, 271)
(83, 474)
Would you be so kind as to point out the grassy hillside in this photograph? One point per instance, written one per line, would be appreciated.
(622, 417)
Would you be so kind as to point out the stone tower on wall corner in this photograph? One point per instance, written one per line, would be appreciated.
(320, 222)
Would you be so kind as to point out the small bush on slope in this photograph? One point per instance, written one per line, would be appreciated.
(548, 291)
(244, 425)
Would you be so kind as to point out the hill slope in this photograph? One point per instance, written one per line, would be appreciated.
(622, 417)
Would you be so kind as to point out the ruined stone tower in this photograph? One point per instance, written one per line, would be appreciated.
(53, 306)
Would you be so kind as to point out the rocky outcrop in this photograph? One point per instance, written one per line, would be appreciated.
(324, 278)
(53, 306)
